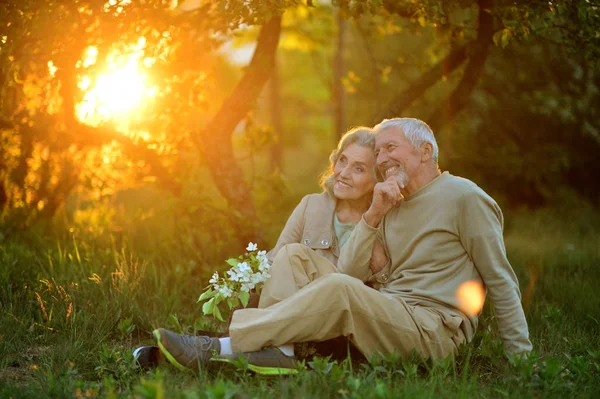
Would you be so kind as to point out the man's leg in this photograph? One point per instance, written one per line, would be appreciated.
(294, 266)
(339, 305)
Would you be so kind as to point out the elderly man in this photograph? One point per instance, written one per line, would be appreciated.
(441, 233)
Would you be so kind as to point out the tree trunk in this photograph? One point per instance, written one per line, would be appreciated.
(338, 74)
(214, 141)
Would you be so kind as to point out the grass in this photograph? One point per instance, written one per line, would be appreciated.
(76, 302)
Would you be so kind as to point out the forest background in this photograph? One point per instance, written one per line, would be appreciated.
(142, 143)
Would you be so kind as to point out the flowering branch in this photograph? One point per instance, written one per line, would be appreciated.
(248, 273)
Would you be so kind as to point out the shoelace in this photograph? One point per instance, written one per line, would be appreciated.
(192, 341)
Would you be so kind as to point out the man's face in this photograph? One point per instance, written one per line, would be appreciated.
(396, 156)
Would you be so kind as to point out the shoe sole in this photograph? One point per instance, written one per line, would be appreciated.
(260, 369)
(165, 352)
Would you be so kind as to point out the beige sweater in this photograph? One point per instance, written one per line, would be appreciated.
(447, 233)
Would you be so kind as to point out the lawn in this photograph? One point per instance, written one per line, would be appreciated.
(76, 301)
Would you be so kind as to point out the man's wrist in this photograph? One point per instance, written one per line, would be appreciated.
(373, 218)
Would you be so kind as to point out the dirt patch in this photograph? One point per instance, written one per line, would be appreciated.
(23, 365)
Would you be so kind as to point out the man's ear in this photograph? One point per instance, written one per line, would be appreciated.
(426, 152)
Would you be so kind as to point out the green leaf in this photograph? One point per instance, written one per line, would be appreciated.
(174, 321)
(208, 306)
(207, 294)
(244, 297)
(126, 326)
(217, 313)
(232, 302)
(502, 37)
(201, 324)
(506, 36)
(232, 261)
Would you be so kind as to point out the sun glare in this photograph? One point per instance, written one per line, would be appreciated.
(114, 94)
(471, 297)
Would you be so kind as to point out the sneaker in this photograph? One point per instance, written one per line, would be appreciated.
(146, 357)
(186, 351)
(269, 361)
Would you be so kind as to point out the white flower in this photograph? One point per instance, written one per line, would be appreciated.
(251, 247)
(244, 267)
(246, 287)
(225, 291)
(256, 278)
(250, 273)
(233, 276)
(264, 266)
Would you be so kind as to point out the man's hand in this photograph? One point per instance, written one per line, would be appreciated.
(386, 195)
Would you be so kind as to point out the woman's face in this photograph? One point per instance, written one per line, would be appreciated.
(353, 173)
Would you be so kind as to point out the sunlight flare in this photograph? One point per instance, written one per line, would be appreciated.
(115, 93)
(471, 297)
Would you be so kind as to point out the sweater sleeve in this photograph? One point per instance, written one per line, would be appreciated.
(355, 255)
(480, 224)
(292, 232)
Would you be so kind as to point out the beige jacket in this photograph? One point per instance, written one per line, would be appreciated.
(311, 224)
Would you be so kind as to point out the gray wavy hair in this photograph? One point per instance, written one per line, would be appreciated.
(362, 136)
(415, 130)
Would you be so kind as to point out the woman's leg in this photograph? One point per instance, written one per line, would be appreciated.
(294, 266)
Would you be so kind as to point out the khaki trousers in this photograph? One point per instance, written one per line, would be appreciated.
(307, 299)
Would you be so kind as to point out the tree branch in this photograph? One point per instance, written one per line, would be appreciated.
(403, 11)
(418, 88)
(459, 98)
(88, 135)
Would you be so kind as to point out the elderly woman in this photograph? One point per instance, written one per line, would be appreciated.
(323, 222)
(320, 225)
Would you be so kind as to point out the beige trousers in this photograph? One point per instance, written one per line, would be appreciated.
(307, 299)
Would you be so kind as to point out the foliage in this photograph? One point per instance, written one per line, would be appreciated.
(140, 222)
(119, 298)
(52, 145)
(247, 275)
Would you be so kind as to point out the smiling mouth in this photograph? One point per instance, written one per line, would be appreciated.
(341, 184)
(390, 171)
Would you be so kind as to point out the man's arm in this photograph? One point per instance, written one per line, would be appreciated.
(355, 256)
(480, 226)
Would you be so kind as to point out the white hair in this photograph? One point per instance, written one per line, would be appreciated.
(362, 136)
(416, 132)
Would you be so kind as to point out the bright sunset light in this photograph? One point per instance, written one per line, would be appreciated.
(471, 297)
(115, 93)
